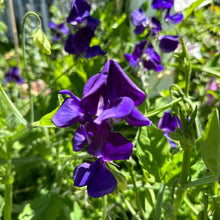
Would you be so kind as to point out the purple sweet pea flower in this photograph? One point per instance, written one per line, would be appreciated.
(150, 59)
(79, 43)
(162, 4)
(139, 20)
(79, 12)
(107, 146)
(155, 26)
(52, 25)
(174, 19)
(64, 28)
(80, 15)
(168, 43)
(95, 175)
(109, 98)
(168, 123)
(136, 55)
(13, 75)
(94, 51)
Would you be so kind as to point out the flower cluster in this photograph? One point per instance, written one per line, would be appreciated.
(59, 29)
(80, 19)
(13, 75)
(144, 51)
(108, 97)
(168, 123)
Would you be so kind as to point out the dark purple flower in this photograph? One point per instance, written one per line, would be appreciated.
(80, 15)
(94, 51)
(13, 75)
(79, 12)
(168, 43)
(106, 146)
(79, 43)
(168, 123)
(150, 58)
(95, 175)
(162, 4)
(174, 19)
(64, 28)
(139, 20)
(109, 98)
(155, 26)
(52, 25)
(136, 55)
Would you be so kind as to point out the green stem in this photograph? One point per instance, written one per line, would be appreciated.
(190, 205)
(205, 207)
(158, 208)
(8, 187)
(137, 197)
(188, 73)
(184, 177)
(158, 110)
(28, 76)
(130, 208)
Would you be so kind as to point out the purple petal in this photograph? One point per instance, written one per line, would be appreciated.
(68, 114)
(119, 109)
(80, 138)
(13, 75)
(137, 119)
(168, 43)
(139, 29)
(101, 181)
(79, 11)
(64, 28)
(123, 86)
(162, 4)
(92, 22)
(94, 51)
(117, 148)
(138, 17)
(79, 43)
(81, 174)
(52, 25)
(94, 94)
(67, 92)
(174, 19)
(155, 25)
(169, 122)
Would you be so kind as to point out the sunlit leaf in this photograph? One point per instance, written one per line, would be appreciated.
(210, 144)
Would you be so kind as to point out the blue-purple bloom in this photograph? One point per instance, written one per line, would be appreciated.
(168, 123)
(168, 43)
(13, 75)
(78, 44)
(59, 29)
(174, 19)
(108, 95)
(150, 58)
(162, 4)
(80, 15)
(139, 20)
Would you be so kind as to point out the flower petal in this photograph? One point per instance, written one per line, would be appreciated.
(94, 51)
(80, 138)
(117, 148)
(101, 180)
(119, 109)
(68, 114)
(136, 118)
(123, 86)
(168, 43)
(81, 174)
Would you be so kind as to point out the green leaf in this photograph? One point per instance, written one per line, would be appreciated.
(46, 119)
(12, 107)
(41, 40)
(210, 144)
(76, 214)
(27, 213)
(194, 5)
(152, 150)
